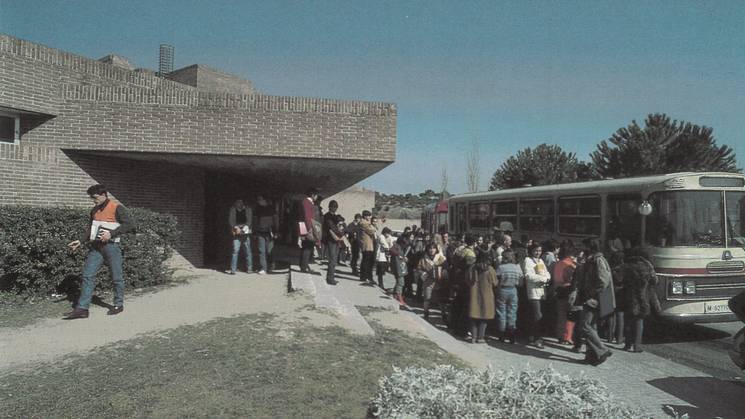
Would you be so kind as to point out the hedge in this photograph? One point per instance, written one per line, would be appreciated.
(449, 392)
(35, 260)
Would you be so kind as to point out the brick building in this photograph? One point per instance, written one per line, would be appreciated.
(187, 144)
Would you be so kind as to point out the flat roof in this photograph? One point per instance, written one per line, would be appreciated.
(590, 187)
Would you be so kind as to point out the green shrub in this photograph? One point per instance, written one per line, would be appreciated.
(34, 259)
(449, 392)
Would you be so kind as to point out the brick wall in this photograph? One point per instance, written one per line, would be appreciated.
(46, 176)
(210, 80)
(72, 104)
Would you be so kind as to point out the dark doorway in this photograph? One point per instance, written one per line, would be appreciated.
(221, 191)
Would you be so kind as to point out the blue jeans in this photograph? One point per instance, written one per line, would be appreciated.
(265, 245)
(245, 243)
(595, 346)
(506, 308)
(111, 255)
(332, 249)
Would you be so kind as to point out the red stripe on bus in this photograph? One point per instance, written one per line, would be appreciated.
(682, 271)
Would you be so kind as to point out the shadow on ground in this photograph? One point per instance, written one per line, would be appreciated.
(705, 395)
(656, 332)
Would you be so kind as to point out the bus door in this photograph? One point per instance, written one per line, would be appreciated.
(623, 223)
(461, 220)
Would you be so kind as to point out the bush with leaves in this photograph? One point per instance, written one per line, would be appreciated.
(34, 259)
(449, 392)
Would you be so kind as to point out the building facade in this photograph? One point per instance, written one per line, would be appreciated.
(187, 146)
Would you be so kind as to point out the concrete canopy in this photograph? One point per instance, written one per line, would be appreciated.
(288, 175)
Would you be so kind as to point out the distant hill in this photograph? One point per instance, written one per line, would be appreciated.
(407, 207)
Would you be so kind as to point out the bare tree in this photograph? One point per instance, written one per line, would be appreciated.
(444, 178)
(472, 166)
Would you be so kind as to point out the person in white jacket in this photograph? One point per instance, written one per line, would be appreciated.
(536, 279)
(383, 254)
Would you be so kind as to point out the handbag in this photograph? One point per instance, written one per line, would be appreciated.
(403, 269)
(302, 229)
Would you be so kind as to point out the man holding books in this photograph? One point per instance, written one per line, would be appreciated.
(109, 220)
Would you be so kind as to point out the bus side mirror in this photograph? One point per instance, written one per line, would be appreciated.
(645, 208)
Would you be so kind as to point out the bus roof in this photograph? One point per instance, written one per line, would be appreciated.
(591, 187)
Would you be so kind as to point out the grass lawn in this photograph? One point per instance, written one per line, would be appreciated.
(244, 366)
(15, 311)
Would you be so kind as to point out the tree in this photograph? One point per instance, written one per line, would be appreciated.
(473, 166)
(444, 179)
(662, 146)
(543, 165)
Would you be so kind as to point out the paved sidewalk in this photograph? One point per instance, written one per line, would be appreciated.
(645, 379)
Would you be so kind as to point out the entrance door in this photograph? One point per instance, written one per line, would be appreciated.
(221, 191)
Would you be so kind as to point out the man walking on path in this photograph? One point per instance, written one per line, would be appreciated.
(594, 278)
(240, 218)
(331, 238)
(109, 220)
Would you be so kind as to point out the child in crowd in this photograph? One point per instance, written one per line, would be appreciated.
(510, 277)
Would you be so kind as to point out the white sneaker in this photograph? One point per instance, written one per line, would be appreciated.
(262, 272)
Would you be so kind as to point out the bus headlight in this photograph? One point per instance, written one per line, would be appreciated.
(676, 287)
(689, 287)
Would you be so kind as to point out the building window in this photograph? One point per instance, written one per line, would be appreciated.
(10, 128)
(537, 215)
(579, 216)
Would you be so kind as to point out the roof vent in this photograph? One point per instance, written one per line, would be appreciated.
(165, 60)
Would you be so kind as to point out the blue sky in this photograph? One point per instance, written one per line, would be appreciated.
(510, 74)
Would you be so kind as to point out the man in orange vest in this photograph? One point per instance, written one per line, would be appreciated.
(109, 220)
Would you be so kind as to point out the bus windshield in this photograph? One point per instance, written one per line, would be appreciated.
(736, 218)
(686, 218)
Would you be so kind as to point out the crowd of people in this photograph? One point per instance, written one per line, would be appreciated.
(569, 292)
(558, 290)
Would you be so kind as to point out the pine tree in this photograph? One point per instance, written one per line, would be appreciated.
(662, 146)
(543, 165)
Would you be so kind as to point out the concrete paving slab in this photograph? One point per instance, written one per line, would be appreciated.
(330, 297)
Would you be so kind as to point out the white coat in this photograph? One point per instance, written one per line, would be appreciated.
(536, 277)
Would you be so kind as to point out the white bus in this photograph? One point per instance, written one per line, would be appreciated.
(693, 222)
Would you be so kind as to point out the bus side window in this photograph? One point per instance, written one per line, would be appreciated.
(623, 222)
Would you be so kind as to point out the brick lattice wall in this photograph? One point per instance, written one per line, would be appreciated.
(79, 104)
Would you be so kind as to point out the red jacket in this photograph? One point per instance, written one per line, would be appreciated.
(563, 272)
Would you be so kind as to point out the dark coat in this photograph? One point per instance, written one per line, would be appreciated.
(639, 281)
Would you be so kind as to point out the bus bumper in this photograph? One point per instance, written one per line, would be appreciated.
(712, 311)
(698, 318)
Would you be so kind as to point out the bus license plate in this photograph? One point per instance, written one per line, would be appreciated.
(716, 307)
